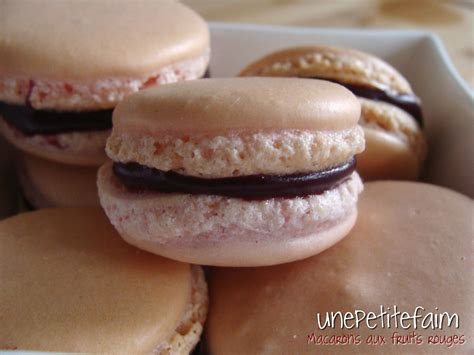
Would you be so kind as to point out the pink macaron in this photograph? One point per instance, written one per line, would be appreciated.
(391, 113)
(241, 171)
(65, 65)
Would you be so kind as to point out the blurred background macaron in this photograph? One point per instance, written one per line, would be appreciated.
(64, 65)
(391, 112)
(238, 171)
(46, 183)
(411, 247)
(70, 284)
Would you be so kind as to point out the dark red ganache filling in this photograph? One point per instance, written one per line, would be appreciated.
(406, 102)
(139, 178)
(30, 121)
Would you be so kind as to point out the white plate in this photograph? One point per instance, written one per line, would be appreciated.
(448, 104)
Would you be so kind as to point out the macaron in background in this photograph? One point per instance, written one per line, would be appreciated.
(8, 180)
(47, 183)
(64, 65)
(234, 172)
(391, 113)
(411, 247)
(70, 284)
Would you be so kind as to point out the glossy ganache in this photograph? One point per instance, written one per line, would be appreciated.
(30, 121)
(138, 178)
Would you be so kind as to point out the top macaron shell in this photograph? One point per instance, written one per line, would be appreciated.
(83, 40)
(238, 126)
(346, 65)
(99, 51)
(238, 104)
(70, 284)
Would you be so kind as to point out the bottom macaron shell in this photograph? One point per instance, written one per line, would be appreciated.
(395, 146)
(48, 184)
(78, 148)
(246, 253)
(222, 231)
(71, 285)
(387, 157)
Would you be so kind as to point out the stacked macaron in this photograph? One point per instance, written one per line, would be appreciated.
(391, 113)
(65, 65)
(240, 171)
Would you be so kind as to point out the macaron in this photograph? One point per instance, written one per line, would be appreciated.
(391, 113)
(234, 172)
(45, 183)
(65, 65)
(70, 284)
(410, 252)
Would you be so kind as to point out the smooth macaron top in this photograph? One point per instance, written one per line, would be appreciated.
(343, 64)
(411, 246)
(238, 104)
(70, 284)
(84, 40)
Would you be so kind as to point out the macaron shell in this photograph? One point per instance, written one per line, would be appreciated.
(237, 104)
(387, 157)
(411, 246)
(223, 231)
(395, 145)
(49, 184)
(76, 148)
(70, 284)
(239, 253)
(247, 153)
(97, 38)
(189, 331)
(344, 64)
(95, 94)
